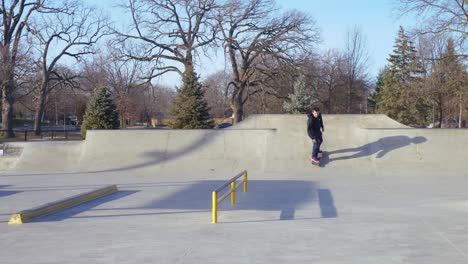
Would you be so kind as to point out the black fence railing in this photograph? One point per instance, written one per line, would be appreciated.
(29, 135)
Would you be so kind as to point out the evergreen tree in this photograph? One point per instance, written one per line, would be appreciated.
(374, 97)
(404, 63)
(449, 83)
(400, 85)
(190, 109)
(300, 102)
(100, 113)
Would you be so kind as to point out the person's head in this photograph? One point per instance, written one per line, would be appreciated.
(316, 112)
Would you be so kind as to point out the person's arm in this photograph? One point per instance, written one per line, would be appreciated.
(321, 123)
(310, 131)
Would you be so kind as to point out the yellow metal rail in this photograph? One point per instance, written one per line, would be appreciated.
(231, 192)
(50, 208)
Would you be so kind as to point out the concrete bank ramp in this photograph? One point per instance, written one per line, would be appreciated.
(270, 143)
(42, 156)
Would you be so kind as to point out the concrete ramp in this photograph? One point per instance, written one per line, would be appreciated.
(189, 150)
(267, 143)
(42, 156)
(386, 194)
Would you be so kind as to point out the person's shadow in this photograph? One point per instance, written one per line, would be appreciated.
(381, 147)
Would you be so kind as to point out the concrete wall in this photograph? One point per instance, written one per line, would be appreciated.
(175, 149)
(273, 143)
(43, 156)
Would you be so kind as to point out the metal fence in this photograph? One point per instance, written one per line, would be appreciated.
(28, 135)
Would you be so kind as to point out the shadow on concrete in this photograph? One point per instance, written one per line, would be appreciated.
(155, 157)
(95, 186)
(327, 204)
(263, 195)
(287, 214)
(159, 157)
(8, 193)
(69, 213)
(284, 196)
(380, 147)
(141, 214)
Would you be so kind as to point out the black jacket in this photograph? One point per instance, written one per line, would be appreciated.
(314, 125)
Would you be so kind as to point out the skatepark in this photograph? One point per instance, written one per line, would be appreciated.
(385, 193)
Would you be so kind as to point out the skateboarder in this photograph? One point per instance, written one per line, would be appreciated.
(314, 130)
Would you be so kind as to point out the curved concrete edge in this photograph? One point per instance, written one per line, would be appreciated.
(12, 152)
(50, 208)
(42, 155)
(354, 120)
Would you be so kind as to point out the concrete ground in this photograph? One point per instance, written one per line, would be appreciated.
(379, 199)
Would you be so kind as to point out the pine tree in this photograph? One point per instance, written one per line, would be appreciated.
(190, 109)
(375, 97)
(300, 102)
(404, 63)
(449, 83)
(400, 95)
(100, 113)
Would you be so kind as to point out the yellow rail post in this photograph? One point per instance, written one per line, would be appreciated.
(215, 208)
(233, 192)
(245, 181)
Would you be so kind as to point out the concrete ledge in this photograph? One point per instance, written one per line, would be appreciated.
(50, 208)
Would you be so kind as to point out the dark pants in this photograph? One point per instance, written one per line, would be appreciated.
(316, 147)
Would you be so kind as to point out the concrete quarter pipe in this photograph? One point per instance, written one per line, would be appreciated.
(386, 194)
(267, 143)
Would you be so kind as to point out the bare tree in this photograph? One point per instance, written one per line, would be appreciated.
(74, 29)
(14, 18)
(276, 76)
(123, 78)
(216, 93)
(159, 99)
(26, 79)
(168, 33)
(438, 16)
(355, 65)
(93, 72)
(329, 81)
(251, 29)
(431, 49)
(64, 100)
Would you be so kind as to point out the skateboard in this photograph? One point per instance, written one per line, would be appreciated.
(320, 156)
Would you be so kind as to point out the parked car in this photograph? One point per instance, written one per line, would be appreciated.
(223, 125)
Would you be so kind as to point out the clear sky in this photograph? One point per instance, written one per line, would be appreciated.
(375, 18)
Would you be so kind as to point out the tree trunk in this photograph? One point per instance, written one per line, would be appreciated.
(329, 102)
(188, 62)
(39, 111)
(123, 120)
(348, 110)
(440, 115)
(460, 116)
(7, 108)
(433, 114)
(238, 109)
(56, 111)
